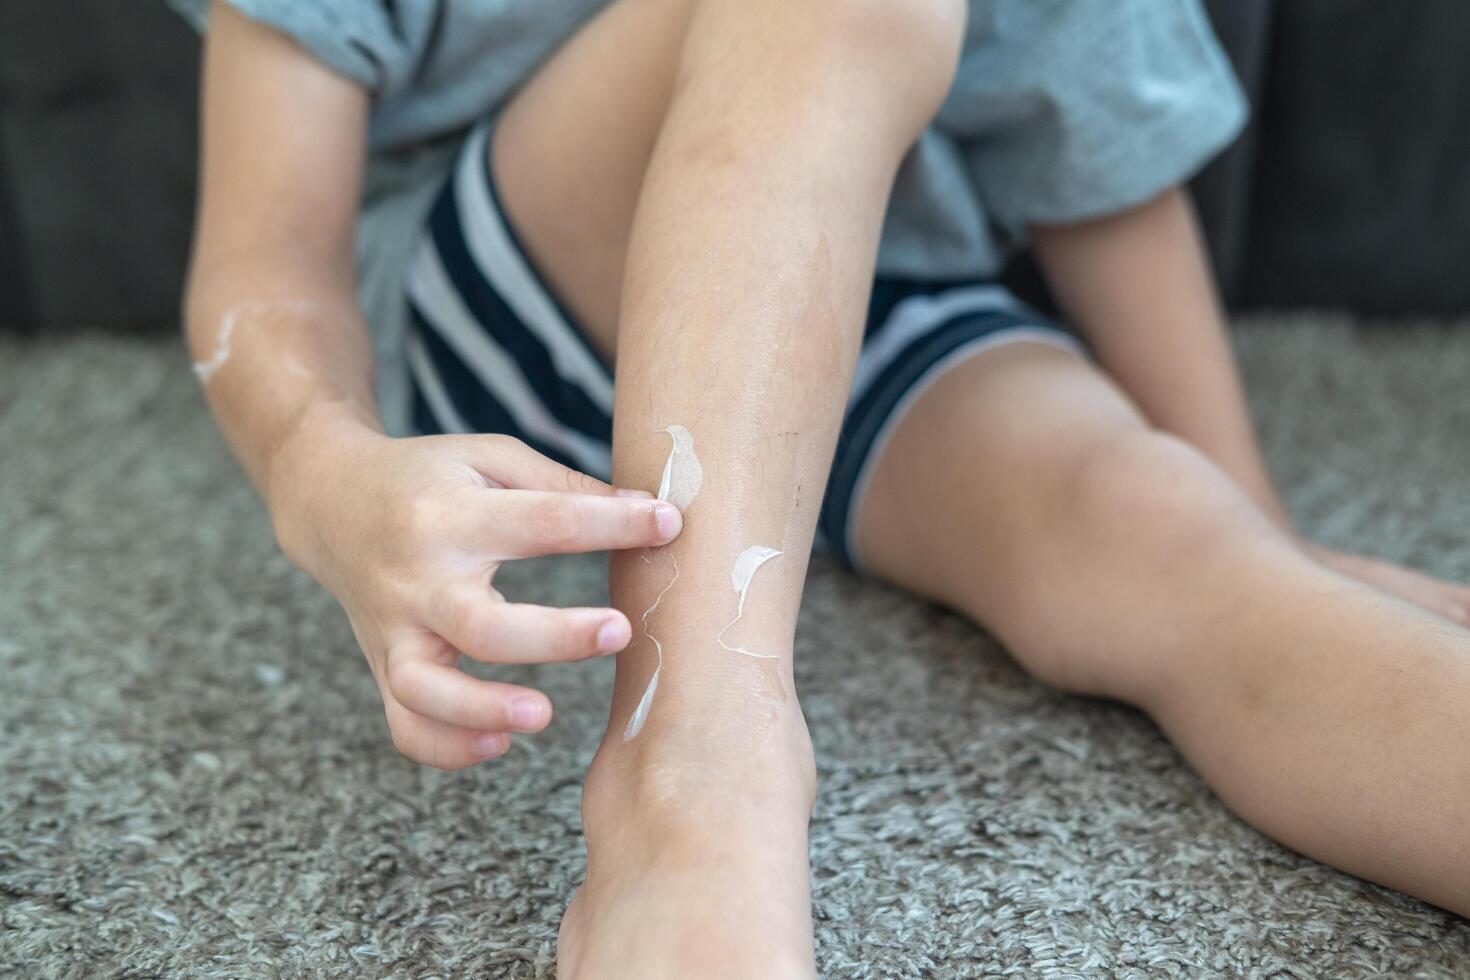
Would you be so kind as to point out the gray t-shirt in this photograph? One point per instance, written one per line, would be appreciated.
(1061, 110)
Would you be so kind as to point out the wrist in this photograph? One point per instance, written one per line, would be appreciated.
(322, 443)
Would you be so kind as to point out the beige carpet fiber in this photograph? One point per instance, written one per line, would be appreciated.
(196, 781)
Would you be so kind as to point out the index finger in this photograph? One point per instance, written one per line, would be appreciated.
(527, 523)
(511, 463)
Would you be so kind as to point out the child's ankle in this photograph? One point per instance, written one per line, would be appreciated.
(683, 767)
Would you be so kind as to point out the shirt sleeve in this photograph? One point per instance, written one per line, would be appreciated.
(1074, 109)
(355, 38)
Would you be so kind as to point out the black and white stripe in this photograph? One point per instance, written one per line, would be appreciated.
(470, 286)
(923, 337)
(490, 349)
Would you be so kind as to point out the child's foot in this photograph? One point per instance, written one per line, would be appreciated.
(697, 858)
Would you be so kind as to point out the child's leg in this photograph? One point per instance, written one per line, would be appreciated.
(1113, 560)
(747, 272)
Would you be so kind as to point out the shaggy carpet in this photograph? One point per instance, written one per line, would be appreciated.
(196, 780)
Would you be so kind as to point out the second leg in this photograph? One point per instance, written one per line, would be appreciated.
(1114, 560)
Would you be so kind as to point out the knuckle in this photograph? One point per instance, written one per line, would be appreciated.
(469, 625)
(418, 517)
(399, 680)
(579, 482)
(497, 442)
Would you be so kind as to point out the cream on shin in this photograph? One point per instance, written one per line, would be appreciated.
(681, 481)
(744, 569)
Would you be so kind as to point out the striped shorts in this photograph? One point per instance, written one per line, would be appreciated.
(489, 348)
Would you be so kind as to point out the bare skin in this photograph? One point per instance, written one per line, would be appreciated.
(1139, 285)
(704, 191)
(1089, 503)
(407, 534)
(1326, 713)
(745, 282)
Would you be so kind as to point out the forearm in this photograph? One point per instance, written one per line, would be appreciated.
(270, 314)
(277, 344)
(1138, 285)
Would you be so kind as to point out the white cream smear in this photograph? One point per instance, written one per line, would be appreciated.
(683, 476)
(205, 370)
(640, 713)
(681, 481)
(741, 573)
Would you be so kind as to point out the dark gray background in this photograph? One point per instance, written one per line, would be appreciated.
(1350, 188)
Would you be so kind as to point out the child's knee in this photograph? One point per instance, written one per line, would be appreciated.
(911, 49)
(1137, 522)
(1155, 494)
(895, 59)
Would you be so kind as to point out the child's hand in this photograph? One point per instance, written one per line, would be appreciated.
(407, 535)
(1448, 599)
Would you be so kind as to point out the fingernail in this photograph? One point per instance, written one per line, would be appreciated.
(668, 519)
(612, 635)
(488, 746)
(625, 492)
(526, 714)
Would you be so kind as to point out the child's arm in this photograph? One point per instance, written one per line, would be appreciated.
(404, 532)
(270, 311)
(1138, 285)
